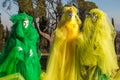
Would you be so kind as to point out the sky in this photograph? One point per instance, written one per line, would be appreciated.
(5, 14)
(111, 7)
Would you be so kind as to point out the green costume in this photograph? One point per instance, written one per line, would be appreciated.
(20, 51)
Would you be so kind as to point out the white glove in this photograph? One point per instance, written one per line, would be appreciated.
(19, 48)
(31, 52)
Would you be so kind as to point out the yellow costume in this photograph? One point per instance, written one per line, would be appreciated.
(96, 54)
(61, 63)
(85, 55)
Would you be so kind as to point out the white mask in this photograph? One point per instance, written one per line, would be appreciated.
(25, 23)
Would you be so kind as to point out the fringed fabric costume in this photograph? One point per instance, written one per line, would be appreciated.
(20, 52)
(61, 62)
(96, 53)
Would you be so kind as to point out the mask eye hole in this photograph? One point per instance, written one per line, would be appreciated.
(26, 22)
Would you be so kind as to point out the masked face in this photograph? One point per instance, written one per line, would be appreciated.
(25, 23)
(94, 17)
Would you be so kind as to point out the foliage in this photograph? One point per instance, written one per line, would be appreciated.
(40, 9)
(25, 6)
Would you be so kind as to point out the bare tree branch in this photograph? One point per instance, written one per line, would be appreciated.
(51, 15)
(45, 35)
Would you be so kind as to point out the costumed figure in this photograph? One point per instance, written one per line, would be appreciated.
(20, 51)
(61, 62)
(96, 55)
